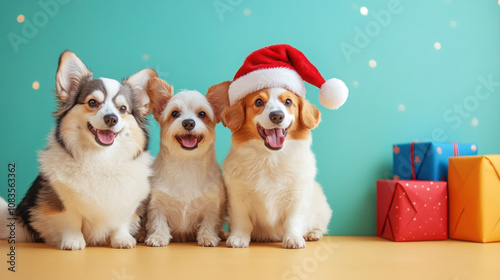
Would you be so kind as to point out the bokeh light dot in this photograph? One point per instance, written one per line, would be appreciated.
(401, 108)
(145, 56)
(474, 122)
(372, 63)
(36, 85)
(20, 18)
(247, 12)
(364, 10)
(453, 23)
(355, 84)
(437, 46)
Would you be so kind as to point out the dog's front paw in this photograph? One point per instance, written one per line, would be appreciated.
(73, 243)
(123, 242)
(237, 242)
(314, 235)
(294, 242)
(158, 240)
(208, 240)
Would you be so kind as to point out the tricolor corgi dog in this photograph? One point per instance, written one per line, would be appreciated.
(188, 197)
(94, 170)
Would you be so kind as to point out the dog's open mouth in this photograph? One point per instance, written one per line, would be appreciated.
(189, 141)
(103, 137)
(273, 138)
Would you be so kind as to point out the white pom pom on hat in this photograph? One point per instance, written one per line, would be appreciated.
(286, 67)
(333, 94)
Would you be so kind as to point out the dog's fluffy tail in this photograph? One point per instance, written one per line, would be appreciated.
(11, 228)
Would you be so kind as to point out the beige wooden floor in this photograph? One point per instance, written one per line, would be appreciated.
(334, 257)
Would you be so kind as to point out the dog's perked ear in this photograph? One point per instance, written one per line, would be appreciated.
(310, 116)
(70, 73)
(139, 83)
(217, 96)
(159, 93)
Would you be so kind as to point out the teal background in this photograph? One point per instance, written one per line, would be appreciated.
(192, 46)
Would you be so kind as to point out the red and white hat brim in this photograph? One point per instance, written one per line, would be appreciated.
(279, 77)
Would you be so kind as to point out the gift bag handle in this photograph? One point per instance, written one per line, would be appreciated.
(412, 156)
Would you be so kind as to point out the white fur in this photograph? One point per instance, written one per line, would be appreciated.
(100, 191)
(21, 233)
(274, 104)
(273, 195)
(108, 106)
(188, 196)
(266, 78)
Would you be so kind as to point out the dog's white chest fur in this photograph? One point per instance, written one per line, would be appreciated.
(185, 180)
(102, 188)
(189, 192)
(271, 185)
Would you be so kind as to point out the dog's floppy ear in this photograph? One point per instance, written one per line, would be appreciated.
(139, 83)
(160, 93)
(70, 73)
(310, 116)
(217, 96)
(234, 116)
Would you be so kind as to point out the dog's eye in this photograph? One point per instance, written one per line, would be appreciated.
(288, 102)
(92, 103)
(123, 109)
(176, 114)
(202, 115)
(259, 103)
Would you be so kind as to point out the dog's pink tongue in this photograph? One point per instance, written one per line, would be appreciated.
(106, 136)
(275, 137)
(189, 141)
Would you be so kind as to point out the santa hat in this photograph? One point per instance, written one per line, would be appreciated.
(286, 67)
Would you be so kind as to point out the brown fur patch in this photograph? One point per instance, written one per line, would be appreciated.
(48, 201)
(122, 101)
(141, 215)
(209, 122)
(306, 118)
(239, 117)
(210, 135)
(310, 116)
(217, 96)
(169, 120)
(159, 93)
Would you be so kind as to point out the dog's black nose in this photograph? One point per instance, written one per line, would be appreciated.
(110, 120)
(188, 124)
(277, 116)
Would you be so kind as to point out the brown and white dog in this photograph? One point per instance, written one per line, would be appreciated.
(270, 169)
(188, 198)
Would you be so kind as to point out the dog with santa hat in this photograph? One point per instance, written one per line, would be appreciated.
(270, 169)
